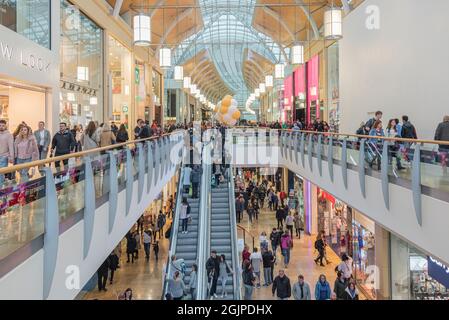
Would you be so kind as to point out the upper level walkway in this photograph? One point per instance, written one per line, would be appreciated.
(363, 172)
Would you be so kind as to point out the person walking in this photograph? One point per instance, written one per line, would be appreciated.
(131, 247)
(301, 289)
(6, 148)
(286, 245)
(187, 179)
(224, 270)
(268, 261)
(184, 215)
(275, 238)
(89, 139)
(370, 123)
(340, 286)
(176, 287)
(248, 280)
(156, 250)
(62, 143)
(246, 254)
(102, 274)
(251, 212)
(121, 135)
(213, 269)
(345, 267)
(351, 292)
(322, 289)
(442, 134)
(193, 281)
(280, 216)
(107, 137)
(147, 243)
(290, 223)
(196, 177)
(408, 129)
(320, 246)
(43, 138)
(160, 223)
(239, 207)
(113, 265)
(25, 150)
(281, 286)
(299, 224)
(256, 262)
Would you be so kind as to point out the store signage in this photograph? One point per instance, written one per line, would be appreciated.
(25, 59)
(438, 271)
(78, 88)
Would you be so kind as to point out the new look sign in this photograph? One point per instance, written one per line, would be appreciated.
(438, 271)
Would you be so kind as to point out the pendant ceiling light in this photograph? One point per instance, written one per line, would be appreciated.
(179, 73)
(269, 81)
(333, 28)
(187, 82)
(279, 71)
(257, 93)
(193, 89)
(297, 54)
(262, 88)
(142, 30)
(165, 58)
(93, 101)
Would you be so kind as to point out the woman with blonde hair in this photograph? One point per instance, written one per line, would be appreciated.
(25, 149)
(107, 137)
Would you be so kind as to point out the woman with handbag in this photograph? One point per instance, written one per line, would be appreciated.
(25, 150)
(184, 215)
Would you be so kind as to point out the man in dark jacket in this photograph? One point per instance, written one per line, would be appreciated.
(268, 260)
(282, 285)
(213, 269)
(131, 246)
(142, 131)
(408, 129)
(442, 134)
(280, 216)
(195, 178)
(319, 245)
(63, 143)
(370, 123)
(102, 275)
(239, 207)
(340, 286)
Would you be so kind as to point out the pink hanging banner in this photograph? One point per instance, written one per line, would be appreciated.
(313, 88)
(288, 93)
(300, 82)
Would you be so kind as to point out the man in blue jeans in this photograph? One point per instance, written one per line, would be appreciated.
(6, 148)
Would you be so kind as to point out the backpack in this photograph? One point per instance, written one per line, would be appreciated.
(316, 244)
(183, 268)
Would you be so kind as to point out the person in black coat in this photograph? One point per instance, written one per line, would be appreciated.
(340, 286)
(195, 178)
(131, 246)
(102, 274)
(213, 269)
(282, 285)
(280, 212)
(113, 265)
(319, 245)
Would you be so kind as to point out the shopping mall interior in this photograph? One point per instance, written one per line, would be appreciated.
(224, 150)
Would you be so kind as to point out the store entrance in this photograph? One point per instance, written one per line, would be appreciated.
(20, 103)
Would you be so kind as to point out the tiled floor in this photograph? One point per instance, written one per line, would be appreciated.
(301, 261)
(144, 278)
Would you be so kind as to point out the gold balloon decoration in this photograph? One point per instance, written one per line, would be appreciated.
(227, 112)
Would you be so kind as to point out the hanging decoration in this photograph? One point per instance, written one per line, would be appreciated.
(227, 112)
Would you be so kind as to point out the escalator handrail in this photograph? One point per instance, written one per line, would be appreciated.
(204, 224)
(234, 244)
(174, 233)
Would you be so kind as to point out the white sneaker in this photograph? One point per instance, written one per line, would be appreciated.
(215, 295)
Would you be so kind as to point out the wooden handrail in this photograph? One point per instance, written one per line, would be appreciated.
(354, 136)
(50, 160)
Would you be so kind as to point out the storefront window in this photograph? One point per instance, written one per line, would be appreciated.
(333, 86)
(157, 85)
(142, 101)
(30, 18)
(81, 67)
(416, 276)
(121, 73)
(21, 103)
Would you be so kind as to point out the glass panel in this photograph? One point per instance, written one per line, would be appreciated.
(22, 211)
(70, 187)
(121, 166)
(353, 151)
(30, 18)
(81, 67)
(434, 163)
(100, 167)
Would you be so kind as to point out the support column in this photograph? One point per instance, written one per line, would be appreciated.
(382, 253)
(285, 180)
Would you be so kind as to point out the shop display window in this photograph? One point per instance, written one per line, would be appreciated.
(30, 18)
(81, 98)
(121, 74)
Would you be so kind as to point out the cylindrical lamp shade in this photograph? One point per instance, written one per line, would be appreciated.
(297, 54)
(83, 73)
(165, 58)
(257, 93)
(269, 81)
(262, 88)
(279, 71)
(179, 73)
(333, 24)
(142, 30)
(193, 89)
(187, 82)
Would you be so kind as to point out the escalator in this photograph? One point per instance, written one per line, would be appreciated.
(223, 233)
(184, 246)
